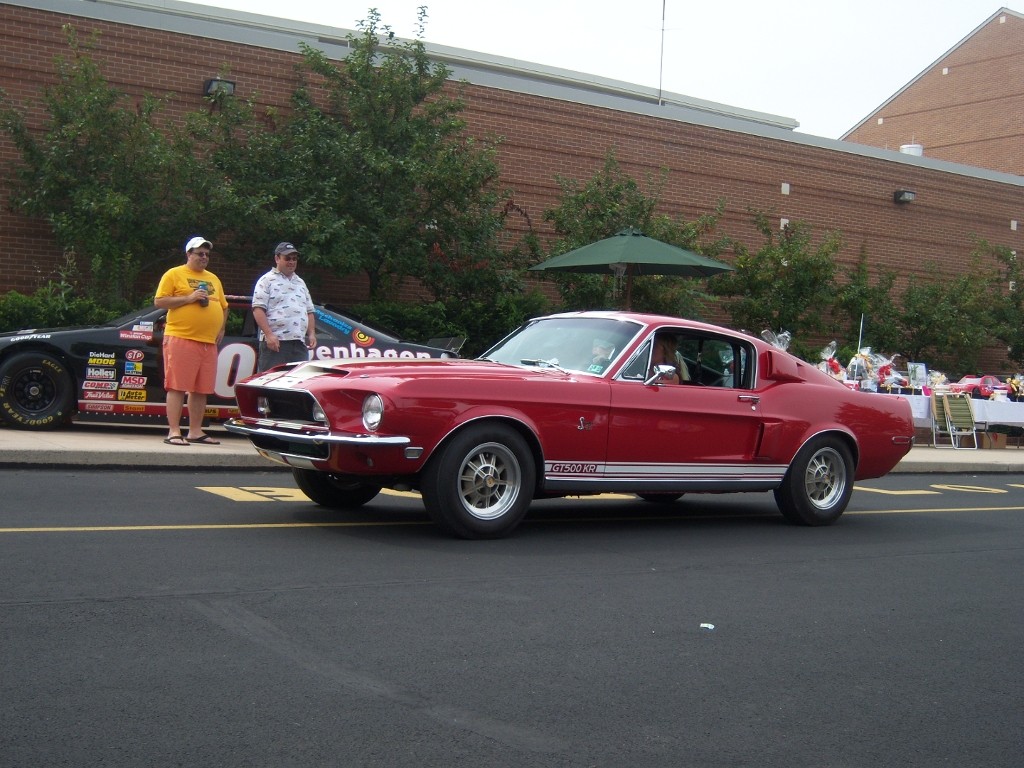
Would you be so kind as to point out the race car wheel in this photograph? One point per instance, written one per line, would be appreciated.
(480, 484)
(36, 391)
(334, 491)
(818, 485)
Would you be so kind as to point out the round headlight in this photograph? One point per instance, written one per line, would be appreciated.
(373, 412)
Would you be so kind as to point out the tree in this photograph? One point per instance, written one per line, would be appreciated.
(946, 320)
(1008, 300)
(612, 200)
(861, 304)
(114, 186)
(787, 285)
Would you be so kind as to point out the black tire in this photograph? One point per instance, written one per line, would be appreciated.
(480, 484)
(36, 391)
(334, 491)
(818, 484)
(660, 498)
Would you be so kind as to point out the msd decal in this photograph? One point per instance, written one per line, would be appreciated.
(133, 382)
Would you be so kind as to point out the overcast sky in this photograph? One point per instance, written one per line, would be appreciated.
(825, 63)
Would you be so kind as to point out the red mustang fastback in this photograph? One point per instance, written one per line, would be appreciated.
(578, 403)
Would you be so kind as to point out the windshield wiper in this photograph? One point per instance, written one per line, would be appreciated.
(540, 363)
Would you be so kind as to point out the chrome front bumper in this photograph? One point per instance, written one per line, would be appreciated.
(302, 449)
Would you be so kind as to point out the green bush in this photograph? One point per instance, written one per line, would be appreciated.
(50, 307)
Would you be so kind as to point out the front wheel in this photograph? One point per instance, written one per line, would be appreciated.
(36, 391)
(480, 484)
(818, 485)
(334, 491)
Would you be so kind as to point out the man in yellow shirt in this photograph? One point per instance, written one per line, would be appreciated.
(196, 315)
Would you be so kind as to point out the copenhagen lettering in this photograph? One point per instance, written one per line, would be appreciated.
(353, 350)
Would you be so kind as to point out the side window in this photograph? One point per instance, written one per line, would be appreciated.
(716, 362)
(636, 368)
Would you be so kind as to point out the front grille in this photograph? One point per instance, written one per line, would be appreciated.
(289, 405)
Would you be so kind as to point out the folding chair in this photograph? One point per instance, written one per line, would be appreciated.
(960, 420)
(939, 426)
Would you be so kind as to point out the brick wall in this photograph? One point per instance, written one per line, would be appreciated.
(542, 138)
(967, 107)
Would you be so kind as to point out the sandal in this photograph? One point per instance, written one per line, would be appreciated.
(205, 440)
(176, 440)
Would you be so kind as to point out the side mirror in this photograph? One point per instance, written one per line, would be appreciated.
(661, 372)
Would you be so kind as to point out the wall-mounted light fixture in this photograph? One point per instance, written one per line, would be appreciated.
(903, 196)
(216, 87)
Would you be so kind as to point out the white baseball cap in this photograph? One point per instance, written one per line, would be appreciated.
(195, 242)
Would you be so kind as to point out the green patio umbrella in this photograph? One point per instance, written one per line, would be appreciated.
(629, 253)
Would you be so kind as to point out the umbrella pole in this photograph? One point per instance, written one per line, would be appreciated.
(629, 288)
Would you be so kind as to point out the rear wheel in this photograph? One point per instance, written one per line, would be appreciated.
(36, 391)
(819, 483)
(481, 483)
(334, 491)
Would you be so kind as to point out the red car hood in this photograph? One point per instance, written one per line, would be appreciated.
(427, 368)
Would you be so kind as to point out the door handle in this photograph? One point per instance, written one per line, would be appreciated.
(752, 399)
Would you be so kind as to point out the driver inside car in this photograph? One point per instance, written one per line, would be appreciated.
(666, 353)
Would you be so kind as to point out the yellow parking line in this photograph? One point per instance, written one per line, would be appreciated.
(896, 493)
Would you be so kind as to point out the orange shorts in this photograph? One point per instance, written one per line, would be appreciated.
(189, 366)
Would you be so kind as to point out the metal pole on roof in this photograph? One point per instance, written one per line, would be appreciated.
(661, 59)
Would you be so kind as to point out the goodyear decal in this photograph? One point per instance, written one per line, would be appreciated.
(30, 336)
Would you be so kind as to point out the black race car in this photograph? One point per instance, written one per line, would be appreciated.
(116, 370)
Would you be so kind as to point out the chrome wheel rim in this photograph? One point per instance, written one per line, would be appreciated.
(825, 479)
(489, 481)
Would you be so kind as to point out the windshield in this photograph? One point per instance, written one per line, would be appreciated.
(585, 344)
